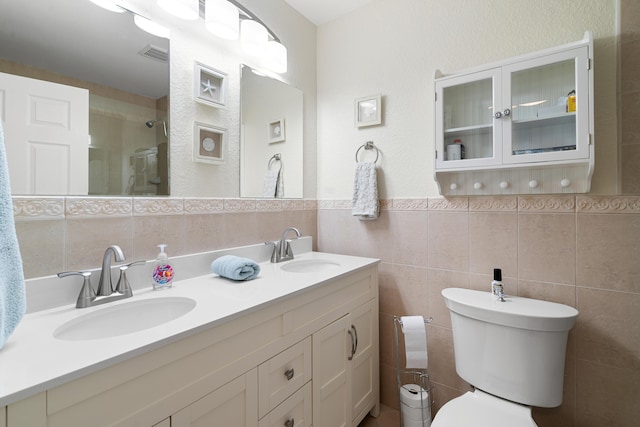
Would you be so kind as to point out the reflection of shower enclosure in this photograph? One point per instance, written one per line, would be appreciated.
(129, 149)
(145, 175)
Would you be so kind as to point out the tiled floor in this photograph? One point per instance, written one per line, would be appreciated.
(388, 418)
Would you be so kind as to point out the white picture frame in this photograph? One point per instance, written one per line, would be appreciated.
(276, 131)
(210, 86)
(209, 143)
(368, 110)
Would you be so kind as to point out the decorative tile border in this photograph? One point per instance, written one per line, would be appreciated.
(32, 208)
(451, 204)
(28, 208)
(550, 204)
(203, 206)
(81, 207)
(157, 206)
(608, 204)
(493, 204)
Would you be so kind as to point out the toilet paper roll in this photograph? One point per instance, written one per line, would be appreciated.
(415, 406)
(415, 341)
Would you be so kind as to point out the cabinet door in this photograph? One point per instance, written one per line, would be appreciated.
(465, 131)
(332, 347)
(364, 365)
(234, 404)
(547, 104)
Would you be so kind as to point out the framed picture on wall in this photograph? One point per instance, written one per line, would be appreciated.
(276, 131)
(209, 143)
(210, 86)
(368, 110)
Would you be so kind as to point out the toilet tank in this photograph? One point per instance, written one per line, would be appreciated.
(513, 349)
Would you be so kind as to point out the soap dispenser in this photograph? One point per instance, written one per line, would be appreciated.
(162, 272)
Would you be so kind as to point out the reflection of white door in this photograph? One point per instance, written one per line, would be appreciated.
(46, 133)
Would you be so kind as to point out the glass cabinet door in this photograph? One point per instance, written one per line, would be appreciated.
(545, 105)
(465, 131)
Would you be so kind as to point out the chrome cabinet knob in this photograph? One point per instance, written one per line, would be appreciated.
(506, 112)
(497, 115)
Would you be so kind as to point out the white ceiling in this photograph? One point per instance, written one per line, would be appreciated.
(322, 11)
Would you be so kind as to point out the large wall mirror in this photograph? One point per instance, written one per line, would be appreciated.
(271, 148)
(118, 78)
(107, 138)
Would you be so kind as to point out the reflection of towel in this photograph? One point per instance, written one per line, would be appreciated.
(365, 192)
(13, 303)
(235, 268)
(273, 184)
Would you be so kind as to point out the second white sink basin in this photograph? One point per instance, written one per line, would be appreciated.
(124, 318)
(309, 265)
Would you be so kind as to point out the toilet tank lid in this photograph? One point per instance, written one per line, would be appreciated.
(517, 312)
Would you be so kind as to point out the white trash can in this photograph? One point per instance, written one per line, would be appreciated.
(415, 406)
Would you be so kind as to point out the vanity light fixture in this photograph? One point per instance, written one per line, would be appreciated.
(183, 9)
(253, 38)
(222, 19)
(151, 27)
(276, 57)
(109, 5)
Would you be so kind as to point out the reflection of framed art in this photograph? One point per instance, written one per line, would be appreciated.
(368, 110)
(276, 131)
(209, 143)
(210, 86)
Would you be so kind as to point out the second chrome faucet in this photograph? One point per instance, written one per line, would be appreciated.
(282, 249)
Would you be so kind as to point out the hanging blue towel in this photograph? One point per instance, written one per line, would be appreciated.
(13, 300)
(235, 267)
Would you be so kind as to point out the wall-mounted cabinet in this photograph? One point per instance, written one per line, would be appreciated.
(517, 126)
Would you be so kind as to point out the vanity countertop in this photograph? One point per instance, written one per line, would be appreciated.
(32, 360)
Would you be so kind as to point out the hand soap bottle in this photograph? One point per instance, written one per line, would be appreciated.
(162, 272)
(497, 284)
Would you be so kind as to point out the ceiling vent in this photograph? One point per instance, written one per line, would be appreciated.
(154, 52)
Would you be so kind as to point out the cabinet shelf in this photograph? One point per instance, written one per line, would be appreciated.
(556, 119)
(469, 130)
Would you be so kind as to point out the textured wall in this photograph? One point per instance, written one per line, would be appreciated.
(394, 47)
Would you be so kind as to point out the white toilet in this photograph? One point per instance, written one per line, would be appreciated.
(511, 352)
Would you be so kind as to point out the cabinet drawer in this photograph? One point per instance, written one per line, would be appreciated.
(282, 375)
(295, 411)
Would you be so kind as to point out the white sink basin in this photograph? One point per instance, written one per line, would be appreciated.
(309, 265)
(124, 318)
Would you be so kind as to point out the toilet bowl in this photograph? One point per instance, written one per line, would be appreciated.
(511, 351)
(480, 409)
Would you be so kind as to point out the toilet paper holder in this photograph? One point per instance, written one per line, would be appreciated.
(415, 393)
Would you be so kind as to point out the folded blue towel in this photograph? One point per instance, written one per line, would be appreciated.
(235, 267)
(13, 301)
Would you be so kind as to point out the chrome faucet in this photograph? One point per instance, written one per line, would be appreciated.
(88, 297)
(105, 287)
(282, 248)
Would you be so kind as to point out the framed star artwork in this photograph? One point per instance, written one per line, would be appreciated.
(210, 86)
(209, 143)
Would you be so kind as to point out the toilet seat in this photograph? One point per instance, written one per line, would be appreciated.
(480, 409)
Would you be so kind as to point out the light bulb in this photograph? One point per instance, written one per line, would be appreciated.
(151, 27)
(254, 37)
(222, 19)
(109, 5)
(276, 57)
(183, 9)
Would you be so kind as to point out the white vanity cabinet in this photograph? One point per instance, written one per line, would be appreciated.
(345, 379)
(524, 125)
(255, 369)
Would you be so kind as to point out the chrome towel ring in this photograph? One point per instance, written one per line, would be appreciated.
(368, 146)
(275, 158)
